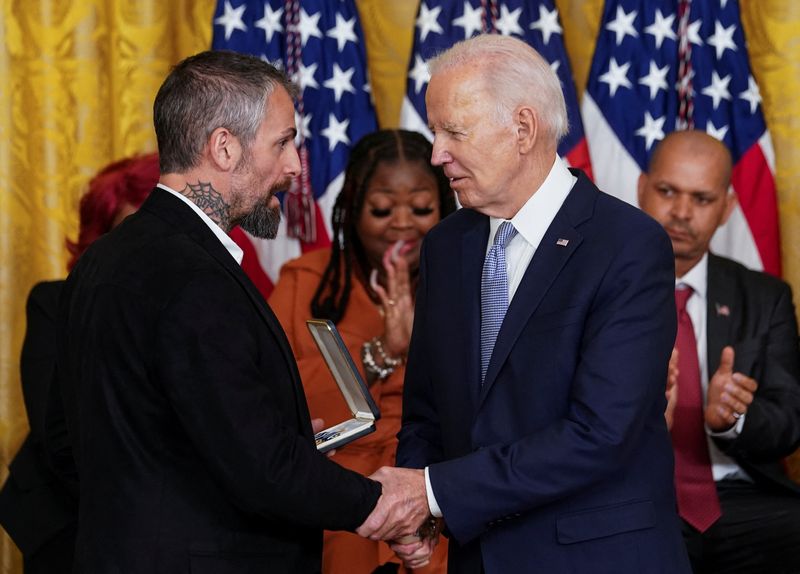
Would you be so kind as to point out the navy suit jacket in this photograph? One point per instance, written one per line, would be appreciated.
(561, 460)
(753, 312)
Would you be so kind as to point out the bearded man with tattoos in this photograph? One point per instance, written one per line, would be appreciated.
(188, 423)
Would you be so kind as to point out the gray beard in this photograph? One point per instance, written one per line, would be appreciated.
(262, 222)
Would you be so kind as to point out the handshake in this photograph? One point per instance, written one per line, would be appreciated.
(401, 516)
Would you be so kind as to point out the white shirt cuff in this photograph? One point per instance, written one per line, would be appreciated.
(432, 504)
(732, 432)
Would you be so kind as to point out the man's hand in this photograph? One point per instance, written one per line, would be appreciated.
(672, 388)
(402, 507)
(318, 425)
(415, 552)
(729, 394)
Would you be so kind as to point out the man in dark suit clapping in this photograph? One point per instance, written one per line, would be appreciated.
(737, 409)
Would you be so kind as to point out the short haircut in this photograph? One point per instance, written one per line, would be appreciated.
(515, 74)
(207, 91)
(696, 143)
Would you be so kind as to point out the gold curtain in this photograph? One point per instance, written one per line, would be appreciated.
(77, 81)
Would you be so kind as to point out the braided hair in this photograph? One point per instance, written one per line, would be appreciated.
(383, 146)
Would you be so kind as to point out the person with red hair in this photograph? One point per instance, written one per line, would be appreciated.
(38, 508)
(114, 193)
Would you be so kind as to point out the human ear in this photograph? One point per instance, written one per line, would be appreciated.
(224, 149)
(527, 126)
(730, 202)
(640, 187)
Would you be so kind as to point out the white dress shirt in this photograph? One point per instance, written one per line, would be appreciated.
(722, 466)
(531, 223)
(229, 244)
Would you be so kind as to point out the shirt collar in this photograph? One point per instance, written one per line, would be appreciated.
(229, 244)
(697, 277)
(536, 215)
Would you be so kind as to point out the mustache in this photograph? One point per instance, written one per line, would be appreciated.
(681, 226)
(282, 185)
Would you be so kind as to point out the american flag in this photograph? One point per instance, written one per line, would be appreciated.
(442, 23)
(320, 45)
(661, 65)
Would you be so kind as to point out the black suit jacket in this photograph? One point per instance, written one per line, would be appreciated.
(192, 435)
(753, 312)
(35, 504)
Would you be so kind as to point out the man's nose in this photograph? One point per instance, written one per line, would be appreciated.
(682, 206)
(440, 155)
(293, 166)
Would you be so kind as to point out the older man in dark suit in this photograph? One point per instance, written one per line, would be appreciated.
(191, 432)
(544, 321)
(737, 365)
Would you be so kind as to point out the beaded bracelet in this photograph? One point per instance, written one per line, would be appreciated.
(387, 360)
(370, 365)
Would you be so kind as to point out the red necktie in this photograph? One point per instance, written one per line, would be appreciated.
(698, 503)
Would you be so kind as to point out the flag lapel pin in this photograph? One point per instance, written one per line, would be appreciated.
(562, 242)
(723, 310)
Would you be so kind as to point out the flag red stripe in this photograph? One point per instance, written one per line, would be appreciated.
(322, 239)
(755, 189)
(578, 157)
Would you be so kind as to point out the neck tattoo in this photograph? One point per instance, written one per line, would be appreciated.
(210, 201)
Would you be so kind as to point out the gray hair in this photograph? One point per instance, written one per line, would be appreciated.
(207, 91)
(515, 74)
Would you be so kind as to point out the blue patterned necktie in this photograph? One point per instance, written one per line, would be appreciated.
(494, 293)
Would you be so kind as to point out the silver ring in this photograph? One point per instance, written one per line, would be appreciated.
(736, 415)
(391, 302)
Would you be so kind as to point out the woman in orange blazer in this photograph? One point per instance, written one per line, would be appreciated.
(365, 284)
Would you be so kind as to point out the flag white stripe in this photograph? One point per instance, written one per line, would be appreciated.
(411, 120)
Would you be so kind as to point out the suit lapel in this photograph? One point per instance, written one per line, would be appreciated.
(473, 253)
(721, 312)
(550, 258)
(547, 263)
(182, 217)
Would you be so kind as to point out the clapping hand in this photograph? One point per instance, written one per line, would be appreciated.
(729, 394)
(396, 299)
(672, 388)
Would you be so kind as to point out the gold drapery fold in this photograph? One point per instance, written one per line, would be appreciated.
(771, 30)
(77, 80)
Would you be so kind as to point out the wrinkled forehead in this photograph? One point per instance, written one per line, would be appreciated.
(456, 89)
